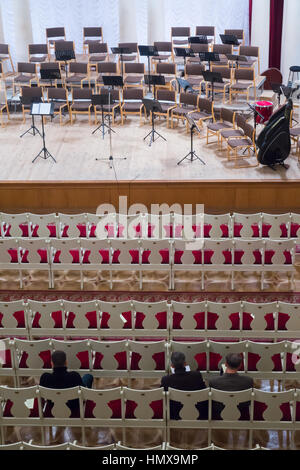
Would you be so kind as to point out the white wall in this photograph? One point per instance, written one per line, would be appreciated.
(290, 49)
(260, 30)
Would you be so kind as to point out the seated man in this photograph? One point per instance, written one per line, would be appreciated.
(183, 380)
(62, 378)
(231, 381)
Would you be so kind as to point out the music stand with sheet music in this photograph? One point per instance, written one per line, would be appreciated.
(111, 81)
(50, 74)
(102, 100)
(148, 51)
(191, 156)
(43, 109)
(32, 129)
(198, 39)
(152, 106)
(212, 77)
(120, 51)
(184, 52)
(65, 56)
(154, 80)
(209, 57)
(236, 58)
(230, 39)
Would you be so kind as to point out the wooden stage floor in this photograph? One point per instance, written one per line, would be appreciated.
(148, 175)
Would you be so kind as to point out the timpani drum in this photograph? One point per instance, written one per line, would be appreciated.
(265, 108)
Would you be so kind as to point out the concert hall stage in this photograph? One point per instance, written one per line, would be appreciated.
(148, 175)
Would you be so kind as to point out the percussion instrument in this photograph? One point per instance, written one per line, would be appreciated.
(265, 108)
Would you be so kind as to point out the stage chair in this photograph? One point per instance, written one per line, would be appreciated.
(247, 225)
(183, 320)
(132, 102)
(209, 31)
(222, 49)
(276, 226)
(183, 34)
(197, 48)
(97, 52)
(236, 132)
(46, 319)
(193, 74)
(15, 225)
(112, 109)
(26, 74)
(104, 68)
(169, 72)
(91, 35)
(244, 80)
(250, 52)
(14, 321)
(64, 46)
(5, 55)
(133, 74)
(81, 102)
(59, 97)
(30, 92)
(188, 102)
(42, 226)
(65, 256)
(166, 48)
(54, 35)
(3, 105)
(226, 74)
(79, 74)
(272, 75)
(33, 255)
(132, 56)
(226, 121)
(204, 112)
(142, 360)
(38, 53)
(167, 101)
(247, 143)
(151, 319)
(239, 33)
(44, 83)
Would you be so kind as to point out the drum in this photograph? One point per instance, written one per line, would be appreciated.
(265, 108)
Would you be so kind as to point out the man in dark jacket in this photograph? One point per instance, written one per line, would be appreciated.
(231, 381)
(62, 378)
(183, 380)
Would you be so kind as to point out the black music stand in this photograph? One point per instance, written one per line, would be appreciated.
(152, 106)
(154, 80)
(212, 77)
(148, 51)
(236, 58)
(50, 74)
(277, 88)
(198, 39)
(43, 109)
(111, 81)
(121, 51)
(65, 56)
(32, 129)
(255, 114)
(191, 156)
(102, 100)
(184, 52)
(209, 57)
(229, 39)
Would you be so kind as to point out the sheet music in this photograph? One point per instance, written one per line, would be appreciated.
(41, 108)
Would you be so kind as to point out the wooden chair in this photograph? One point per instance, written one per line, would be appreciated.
(54, 35)
(133, 74)
(196, 49)
(222, 50)
(91, 35)
(223, 88)
(46, 66)
(167, 99)
(181, 34)
(167, 52)
(97, 52)
(38, 53)
(245, 143)
(209, 31)
(81, 102)
(33, 93)
(132, 102)
(104, 68)
(193, 74)
(204, 112)
(239, 33)
(226, 121)
(5, 55)
(78, 75)
(59, 97)
(133, 54)
(3, 104)
(252, 54)
(109, 109)
(188, 102)
(26, 74)
(243, 81)
(236, 132)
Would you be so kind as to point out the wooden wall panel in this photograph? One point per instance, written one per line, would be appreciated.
(218, 196)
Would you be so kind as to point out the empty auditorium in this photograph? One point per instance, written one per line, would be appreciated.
(149, 221)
